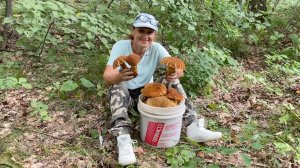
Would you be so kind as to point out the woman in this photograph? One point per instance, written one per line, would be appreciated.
(125, 88)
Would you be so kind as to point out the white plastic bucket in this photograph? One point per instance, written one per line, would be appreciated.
(160, 127)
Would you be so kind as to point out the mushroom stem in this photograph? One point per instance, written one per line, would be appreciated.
(134, 70)
(170, 70)
(172, 64)
(124, 66)
(133, 60)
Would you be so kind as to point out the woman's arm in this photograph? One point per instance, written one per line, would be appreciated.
(113, 76)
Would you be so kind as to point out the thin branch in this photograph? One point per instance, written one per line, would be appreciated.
(150, 4)
(275, 5)
(68, 4)
(43, 133)
(43, 44)
(7, 50)
(54, 137)
(110, 3)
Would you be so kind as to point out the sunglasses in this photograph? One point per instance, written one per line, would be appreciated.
(145, 19)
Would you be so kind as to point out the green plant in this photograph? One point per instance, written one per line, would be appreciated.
(68, 86)
(280, 63)
(286, 149)
(290, 114)
(255, 79)
(203, 64)
(101, 89)
(68, 26)
(12, 82)
(86, 83)
(40, 109)
(275, 37)
(10, 67)
(181, 156)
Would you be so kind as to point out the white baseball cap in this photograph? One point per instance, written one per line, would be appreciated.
(146, 20)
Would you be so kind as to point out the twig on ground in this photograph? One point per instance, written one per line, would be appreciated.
(7, 50)
(39, 132)
(260, 164)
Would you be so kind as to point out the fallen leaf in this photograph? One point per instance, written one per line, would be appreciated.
(201, 154)
(235, 128)
(139, 150)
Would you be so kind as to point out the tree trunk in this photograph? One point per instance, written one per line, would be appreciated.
(8, 13)
(212, 15)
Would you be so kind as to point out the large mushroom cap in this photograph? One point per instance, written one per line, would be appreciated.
(161, 101)
(154, 90)
(174, 95)
(120, 61)
(133, 59)
(173, 62)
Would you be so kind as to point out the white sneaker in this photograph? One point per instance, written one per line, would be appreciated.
(126, 153)
(201, 122)
(198, 133)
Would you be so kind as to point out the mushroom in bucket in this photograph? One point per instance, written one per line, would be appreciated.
(174, 95)
(157, 95)
(131, 59)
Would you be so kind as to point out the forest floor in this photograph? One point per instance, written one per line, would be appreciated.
(246, 111)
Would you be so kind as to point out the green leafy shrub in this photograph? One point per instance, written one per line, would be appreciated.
(203, 64)
(280, 63)
(40, 109)
(12, 82)
(287, 149)
(70, 26)
(181, 156)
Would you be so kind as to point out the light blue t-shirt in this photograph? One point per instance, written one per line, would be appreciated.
(146, 66)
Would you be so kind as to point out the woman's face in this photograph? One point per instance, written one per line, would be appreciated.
(143, 37)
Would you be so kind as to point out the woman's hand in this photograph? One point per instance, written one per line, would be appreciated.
(176, 75)
(125, 74)
(113, 76)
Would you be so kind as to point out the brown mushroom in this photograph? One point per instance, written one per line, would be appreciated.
(133, 60)
(174, 95)
(120, 61)
(154, 90)
(161, 101)
(172, 64)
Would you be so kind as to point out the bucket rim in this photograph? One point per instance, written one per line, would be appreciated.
(175, 107)
(160, 111)
(161, 117)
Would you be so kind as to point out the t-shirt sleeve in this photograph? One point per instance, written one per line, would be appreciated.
(162, 52)
(115, 53)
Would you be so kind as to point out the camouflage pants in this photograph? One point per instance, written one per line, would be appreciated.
(121, 99)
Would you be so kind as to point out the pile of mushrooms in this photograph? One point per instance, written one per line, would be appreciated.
(157, 95)
(172, 64)
(131, 59)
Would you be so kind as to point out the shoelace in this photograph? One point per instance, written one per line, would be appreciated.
(200, 125)
(133, 142)
(127, 147)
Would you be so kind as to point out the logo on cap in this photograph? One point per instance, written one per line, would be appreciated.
(146, 20)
